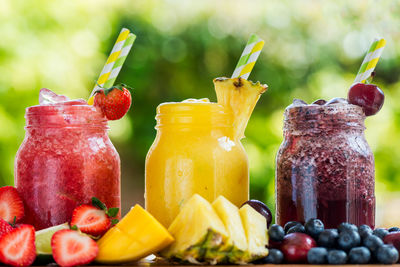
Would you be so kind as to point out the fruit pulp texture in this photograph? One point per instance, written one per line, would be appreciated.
(193, 153)
(65, 159)
(325, 168)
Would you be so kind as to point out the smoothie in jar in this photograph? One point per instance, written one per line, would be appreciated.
(325, 167)
(197, 149)
(65, 159)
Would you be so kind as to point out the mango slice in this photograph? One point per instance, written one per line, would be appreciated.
(136, 236)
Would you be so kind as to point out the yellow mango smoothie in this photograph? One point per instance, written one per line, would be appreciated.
(197, 149)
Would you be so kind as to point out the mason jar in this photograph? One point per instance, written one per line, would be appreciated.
(325, 167)
(65, 159)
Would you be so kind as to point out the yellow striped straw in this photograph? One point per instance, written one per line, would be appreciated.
(113, 65)
(370, 60)
(249, 57)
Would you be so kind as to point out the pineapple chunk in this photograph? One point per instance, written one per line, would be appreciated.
(196, 229)
(237, 242)
(137, 235)
(241, 96)
(256, 232)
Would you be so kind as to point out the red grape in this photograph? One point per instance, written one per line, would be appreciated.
(367, 96)
(295, 247)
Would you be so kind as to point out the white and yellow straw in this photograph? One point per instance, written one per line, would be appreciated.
(249, 57)
(115, 60)
(370, 60)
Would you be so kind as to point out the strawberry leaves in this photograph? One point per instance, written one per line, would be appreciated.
(111, 212)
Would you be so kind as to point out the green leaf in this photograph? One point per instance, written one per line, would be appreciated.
(14, 221)
(97, 203)
(112, 212)
(74, 227)
(114, 221)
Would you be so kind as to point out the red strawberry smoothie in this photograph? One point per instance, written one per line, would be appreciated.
(65, 159)
(325, 167)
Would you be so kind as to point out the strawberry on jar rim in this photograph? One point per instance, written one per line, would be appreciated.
(114, 102)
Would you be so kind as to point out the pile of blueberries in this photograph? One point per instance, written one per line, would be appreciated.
(312, 243)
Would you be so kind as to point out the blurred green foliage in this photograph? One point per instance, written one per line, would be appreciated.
(313, 50)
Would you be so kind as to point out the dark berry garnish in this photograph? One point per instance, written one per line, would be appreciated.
(275, 256)
(336, 256)
(367, 96)
(296, 246)
(319, 102)
(317, 255)
(394, 229)
(276, 233)
(372, 242)
(328, 238)
(380, 232)
(364, 230)
(343, 227)
(298, 228)
(289, 225)
(348, 240)
(359, 255)
(314, 227)
(261, 208)
(387, 254)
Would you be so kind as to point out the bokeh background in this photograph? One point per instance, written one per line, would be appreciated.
(313, 50)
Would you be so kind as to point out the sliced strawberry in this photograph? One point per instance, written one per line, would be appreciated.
(71, 248)
(5, 227)
(90, 220)
(17, 247)
(11, 204)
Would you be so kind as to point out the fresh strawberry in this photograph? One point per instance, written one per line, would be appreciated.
(5, 227)
(17, 247)
(11, 204)
(93, 219)
(71, 248)
(90, 220)
(113, 102)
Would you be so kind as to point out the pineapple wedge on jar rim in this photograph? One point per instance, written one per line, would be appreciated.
(241, 96)
(217, 233)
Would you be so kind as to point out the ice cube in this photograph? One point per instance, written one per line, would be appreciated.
(297, 103)
(193, 100)
(337, 100)
(47, 96)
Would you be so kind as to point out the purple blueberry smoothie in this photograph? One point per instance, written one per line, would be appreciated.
(325, 167)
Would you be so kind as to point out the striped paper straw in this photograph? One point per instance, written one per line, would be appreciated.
(370, 60)
(249, 57)
(112, 59)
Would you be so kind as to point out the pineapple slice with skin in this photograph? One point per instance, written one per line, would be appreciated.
(256, 232)
(137, 235)
(241, 96)
(236, 247)
(196, 229)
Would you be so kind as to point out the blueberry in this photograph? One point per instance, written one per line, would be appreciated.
(336, 256)
(275, 256)
(359, 255)
(364, 230)
(314, 227)
(328, 238)
(298, 228)
(394, 229)
(276, 233)
(372, 242)
(343, 227)
(380, 232)
(348, 240)
(317, 255)
(289, 225)
(387, 254)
